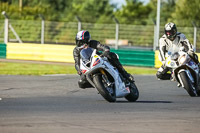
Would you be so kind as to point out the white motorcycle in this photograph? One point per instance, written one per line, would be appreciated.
(184, 70)
(106, 78)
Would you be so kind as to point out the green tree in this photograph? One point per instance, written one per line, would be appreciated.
(134, 12)
(166, 10)
(91, 11)
(28, 12)
(187, 11)
(51, 9)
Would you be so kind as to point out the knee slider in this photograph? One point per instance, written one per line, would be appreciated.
(84, 84)
(159, 75)
(165, 76)
(81, 83)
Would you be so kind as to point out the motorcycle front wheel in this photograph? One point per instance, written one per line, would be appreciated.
(134, 93)
(103, 89)
(187, 84)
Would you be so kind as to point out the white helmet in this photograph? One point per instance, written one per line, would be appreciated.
(82, 37)
(170, 31)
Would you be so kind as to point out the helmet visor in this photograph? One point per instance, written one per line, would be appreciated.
(171, 34)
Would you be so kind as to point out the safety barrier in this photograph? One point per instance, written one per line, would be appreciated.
(136, 57)
(40, 52)
(2, 50)
(64, 53)
(157, 61)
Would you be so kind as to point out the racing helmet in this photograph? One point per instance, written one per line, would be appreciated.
(82, 38)
(170, 31)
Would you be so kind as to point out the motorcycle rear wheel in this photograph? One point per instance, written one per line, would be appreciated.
(98, 81)
(198, 91)
(187, 84)
(134, 93)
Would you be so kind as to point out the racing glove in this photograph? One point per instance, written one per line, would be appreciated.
(191, 53)
(79, 72)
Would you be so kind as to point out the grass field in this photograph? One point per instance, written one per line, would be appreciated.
(19, 68)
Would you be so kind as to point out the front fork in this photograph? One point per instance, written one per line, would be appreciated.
(104, 76)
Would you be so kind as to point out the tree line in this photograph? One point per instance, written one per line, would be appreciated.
(182, 12)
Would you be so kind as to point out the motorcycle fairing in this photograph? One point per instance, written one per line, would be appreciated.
(102, 63)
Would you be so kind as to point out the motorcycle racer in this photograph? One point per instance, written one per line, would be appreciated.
(83, 41)
(172, 40)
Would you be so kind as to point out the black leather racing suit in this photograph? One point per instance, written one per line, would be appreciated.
(83, 83)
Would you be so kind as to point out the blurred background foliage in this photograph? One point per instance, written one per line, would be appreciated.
(182, 12)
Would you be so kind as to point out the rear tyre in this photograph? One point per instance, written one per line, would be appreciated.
(134, 93)
(101, 87)
(198, 90)
(187, 84)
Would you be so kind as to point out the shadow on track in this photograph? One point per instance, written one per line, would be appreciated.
(145, 102)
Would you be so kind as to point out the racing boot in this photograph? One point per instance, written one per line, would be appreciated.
(83, 83)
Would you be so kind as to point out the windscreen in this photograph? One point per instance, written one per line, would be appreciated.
(86, 54)
(173, 53)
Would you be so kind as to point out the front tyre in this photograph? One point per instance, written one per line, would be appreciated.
(187, 84)
(134, 93)
(103, 89)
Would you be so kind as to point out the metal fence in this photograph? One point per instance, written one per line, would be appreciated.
(1, 30)
(65, 32)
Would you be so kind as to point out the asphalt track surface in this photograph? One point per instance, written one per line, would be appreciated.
(55, 104)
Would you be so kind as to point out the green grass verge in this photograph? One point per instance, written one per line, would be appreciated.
(10, 68)
(141, 70)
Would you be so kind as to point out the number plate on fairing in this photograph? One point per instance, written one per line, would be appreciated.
(191, 63)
